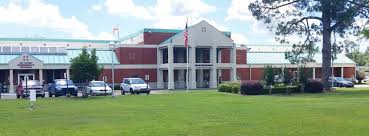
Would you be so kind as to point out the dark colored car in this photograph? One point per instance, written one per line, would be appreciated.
(62, 87)
(24, 88)
(340, 82)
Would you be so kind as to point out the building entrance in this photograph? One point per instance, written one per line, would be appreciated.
(24, 77)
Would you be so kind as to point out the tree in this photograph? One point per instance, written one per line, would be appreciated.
(362, 59)
(360, 76)
(269, 77)
(313, 20)
(287, 77)
(84, 67)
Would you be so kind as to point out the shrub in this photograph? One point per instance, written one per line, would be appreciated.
(314, 86)
(251, 88)
(235, 88)
(223, 87)
(281, 90)
(229, 87)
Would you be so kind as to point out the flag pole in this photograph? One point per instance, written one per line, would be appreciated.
(187, 58)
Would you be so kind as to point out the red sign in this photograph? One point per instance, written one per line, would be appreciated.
(25, 64)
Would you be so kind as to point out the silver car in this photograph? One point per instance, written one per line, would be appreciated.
(134, 86)
(98, 88)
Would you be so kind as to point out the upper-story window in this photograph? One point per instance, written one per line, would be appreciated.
(203, 29)
(131, 56)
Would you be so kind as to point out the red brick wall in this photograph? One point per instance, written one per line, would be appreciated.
(226, 74)
(318, 72)
(241, 57)
(349, 72)
(257, 73)
(244, 73)
(124, 73)
(156, 38)
(226, 55)
(128, 55)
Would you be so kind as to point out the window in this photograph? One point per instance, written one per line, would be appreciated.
(132, 56)
(147, 77)
(203, 29)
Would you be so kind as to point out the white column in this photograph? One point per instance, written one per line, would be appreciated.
(68, 74)
(159, 76)
(233, 61)
(11, 81)
(213, 58)
(213, 78)
(213, 72)
(40, 76)
(192, 62)
(314, 73)
(233, 54)
(170, 78)
(220, 56)
(342, 72)
(170, 67)
(159, 57)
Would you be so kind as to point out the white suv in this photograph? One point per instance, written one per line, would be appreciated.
(134, 86)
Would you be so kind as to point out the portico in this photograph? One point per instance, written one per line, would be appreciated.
(207, 58)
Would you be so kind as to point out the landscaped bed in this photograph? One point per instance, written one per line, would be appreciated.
(208, 113)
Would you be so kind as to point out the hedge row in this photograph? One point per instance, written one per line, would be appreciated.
(257, 88)
(229, 87)
(281, 90)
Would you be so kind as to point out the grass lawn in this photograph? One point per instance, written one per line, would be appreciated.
(207, 113)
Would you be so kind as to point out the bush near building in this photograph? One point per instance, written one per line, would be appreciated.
(314, 86)
(229, 87)
(251, 88)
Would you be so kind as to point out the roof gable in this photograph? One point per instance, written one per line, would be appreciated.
(198, 36)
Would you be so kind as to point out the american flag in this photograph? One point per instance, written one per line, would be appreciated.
(185, 33)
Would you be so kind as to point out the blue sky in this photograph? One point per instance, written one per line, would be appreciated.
(94, 19)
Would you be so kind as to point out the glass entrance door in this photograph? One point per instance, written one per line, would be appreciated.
(23, 77)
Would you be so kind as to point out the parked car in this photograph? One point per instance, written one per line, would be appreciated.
(24, 88)
(366, 79)
(61, 87)
(341, 82)
(134, 86)
(98, 88)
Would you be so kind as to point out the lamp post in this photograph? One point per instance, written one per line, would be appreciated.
(112, 47)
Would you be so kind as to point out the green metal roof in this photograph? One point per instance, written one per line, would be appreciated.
(4, 59)
(54, 40)
(277, 58)
(156, 30)
(104, 57)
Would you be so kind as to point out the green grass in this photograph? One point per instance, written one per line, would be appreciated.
(206, 113)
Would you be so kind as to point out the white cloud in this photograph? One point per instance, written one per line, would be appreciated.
(239, 10)
(105, 36)
(39, 14)
(96, 7)
(164, 13)
(127, 8)
(239, 38)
